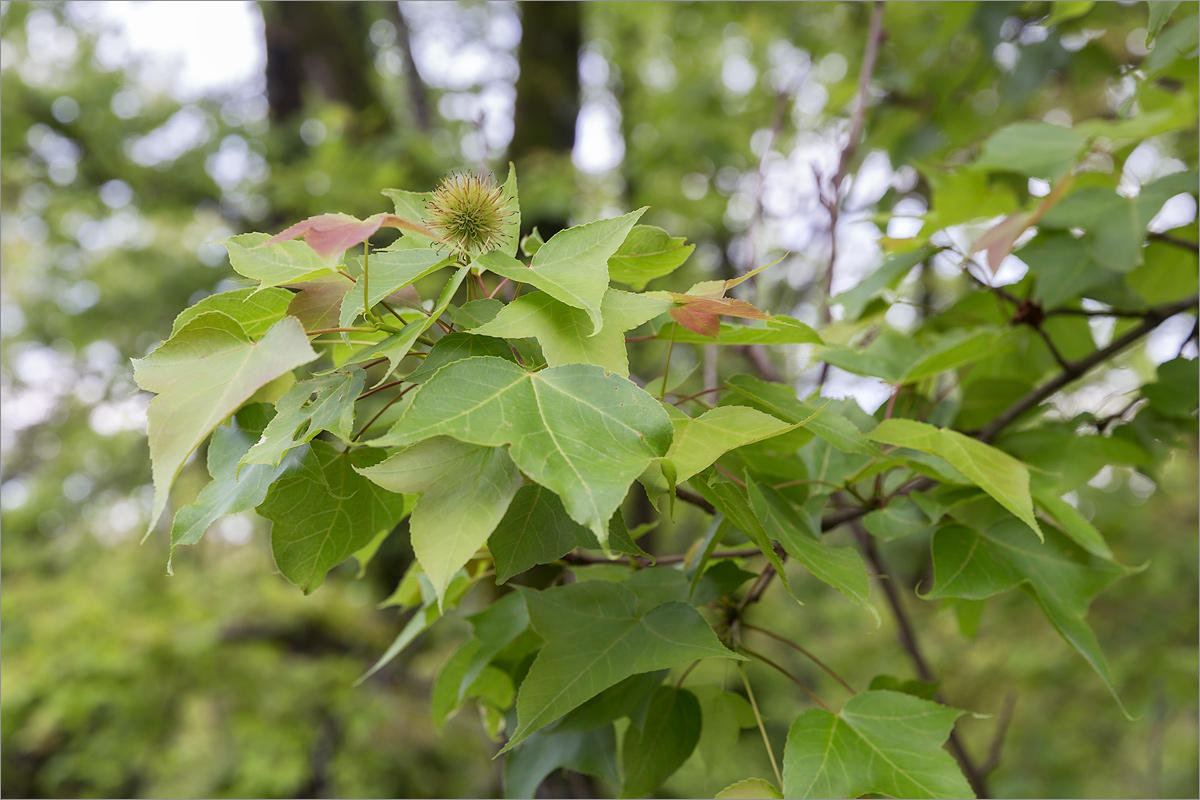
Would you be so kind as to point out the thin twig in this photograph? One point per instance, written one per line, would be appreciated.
(762, 728)
(1169, 239)
(803, 652)
(380, 388)
(833, 201)
(388, 405)
(908, 640)
(1075, 370)
(1006, 715)
(789, 675)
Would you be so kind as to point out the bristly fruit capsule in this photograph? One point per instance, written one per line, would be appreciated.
(467, 211)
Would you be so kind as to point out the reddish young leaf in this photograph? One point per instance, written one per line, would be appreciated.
(330, 234)
(704, 323)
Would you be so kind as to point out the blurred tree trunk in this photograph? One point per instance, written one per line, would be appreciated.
(323, 46)
(546, 109)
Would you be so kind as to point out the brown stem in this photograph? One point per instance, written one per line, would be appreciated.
(1075, 370)
(388, 405)
(380, 388)
(1186, 245)
(908, 640)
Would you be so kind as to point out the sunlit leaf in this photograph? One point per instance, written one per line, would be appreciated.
(647, 253)
(300, 416)
(204, 373)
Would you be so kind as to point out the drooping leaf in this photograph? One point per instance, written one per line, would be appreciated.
(428, 613)
(256, 311)
(733, 503)
(1072, 523)
(584, 434)
(565, 333)
(594, 639)
(324, 511)
(231, 490)
(274, 264)
(592, 752)
(1160, 12)
(573, 266)
(465, 490)
(653, 751)
(993, 553)
(996, 472)
(839, 567)
(882, 742)
(204, 373)
(647, 253)
(299, 416)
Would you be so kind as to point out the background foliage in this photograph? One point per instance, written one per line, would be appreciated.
(223, 680)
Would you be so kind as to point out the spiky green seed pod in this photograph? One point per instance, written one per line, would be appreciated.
(467, 211)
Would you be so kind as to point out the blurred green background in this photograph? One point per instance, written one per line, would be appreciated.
(117, 172)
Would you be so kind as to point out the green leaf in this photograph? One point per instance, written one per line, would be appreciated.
(900, 359)
(411, 206)
(728, 499)
(425, 616)
(778, 329)
(496, 627)
(720, 580)
(1175, 393)
(594, 639)
(573, 266)
(700, 441)
(256, 311)
(1067, 10)
(300, 415)
(926, 690)
(274, 264)
(390, 271)
(565, 332)
(324, 511)
(723, 714)
(1000, 475)
(647, 253)
(887, 275)
(1065, 267)
(839, 567)
(510, 229)
(465, 490)
(456, 347)
(1117, 223)
(1072, 523)
(1179, 41)
(576, 430)
(535, 530)
(900, 517)
(781, 401)
(652, 752)
(231, 491)
(592, 752)
(1033, 149)
(628, 698)
(1160, 12)
(532, 243)
(750, 789)
(208, 368)
(882, 742)
(996, 553)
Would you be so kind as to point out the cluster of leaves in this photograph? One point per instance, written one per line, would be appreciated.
(499, 419)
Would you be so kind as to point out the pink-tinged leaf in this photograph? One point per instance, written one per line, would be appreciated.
(704, 323)
(999, 240)
(330, 234)
(318, 302)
